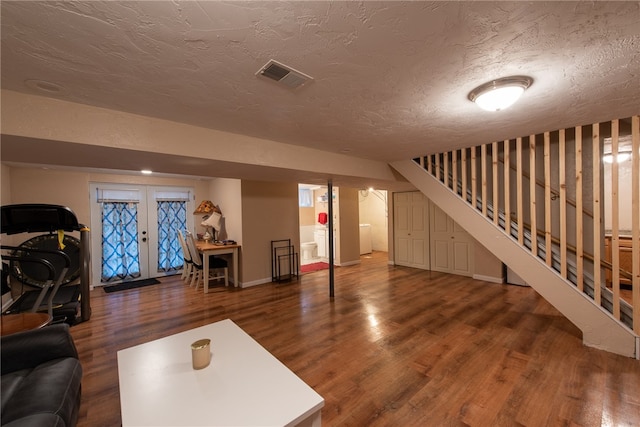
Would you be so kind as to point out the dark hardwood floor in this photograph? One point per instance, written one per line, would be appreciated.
(395, 347)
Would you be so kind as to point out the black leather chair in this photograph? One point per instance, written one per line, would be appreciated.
(41, 378)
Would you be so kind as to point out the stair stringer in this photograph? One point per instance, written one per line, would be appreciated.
(599, 328)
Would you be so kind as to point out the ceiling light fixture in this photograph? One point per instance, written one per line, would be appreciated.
(501, 93)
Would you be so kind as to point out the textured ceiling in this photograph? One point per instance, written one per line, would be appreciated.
(390, 78)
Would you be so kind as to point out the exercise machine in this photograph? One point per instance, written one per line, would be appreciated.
(63, 292)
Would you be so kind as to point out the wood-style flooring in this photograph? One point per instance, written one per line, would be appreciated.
(396, 347)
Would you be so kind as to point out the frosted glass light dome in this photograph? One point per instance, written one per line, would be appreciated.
(499, 94)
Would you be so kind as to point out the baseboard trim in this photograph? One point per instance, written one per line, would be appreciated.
(348, 263)
(255, 283)
(491, 279)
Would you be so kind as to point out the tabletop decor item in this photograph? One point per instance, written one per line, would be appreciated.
(200, 353)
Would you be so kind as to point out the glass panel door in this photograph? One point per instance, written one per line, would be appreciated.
(134, 231)
(120, 246)
(169, 210)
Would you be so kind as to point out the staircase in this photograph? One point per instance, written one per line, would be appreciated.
(626, 310)
(475, 195)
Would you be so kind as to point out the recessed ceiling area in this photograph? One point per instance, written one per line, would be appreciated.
(390, 79)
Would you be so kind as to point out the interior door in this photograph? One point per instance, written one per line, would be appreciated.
(451, 245)
(169, 209)
(411, 229)
(134, 231)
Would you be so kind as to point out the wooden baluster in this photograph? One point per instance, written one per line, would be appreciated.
(445, 160)
(579, 211)
(474, 179)
(615, 220)
(547, 198)
(563, 202)
(454, 170)
(597, 228)
(463, 170)
(483, 158)
(507, 187)
(496, 202)
(519, 191)
(532, 194)
(635, 219)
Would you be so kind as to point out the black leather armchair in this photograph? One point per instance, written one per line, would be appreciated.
(41, 378)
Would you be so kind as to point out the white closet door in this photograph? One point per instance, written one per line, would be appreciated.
(411, 229)
(451, 245)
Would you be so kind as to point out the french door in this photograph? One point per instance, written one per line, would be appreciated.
(134, 231)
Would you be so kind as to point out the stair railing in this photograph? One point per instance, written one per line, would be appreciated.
(565, 207)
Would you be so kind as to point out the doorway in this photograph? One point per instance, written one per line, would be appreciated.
(134, 231)
(373, 216)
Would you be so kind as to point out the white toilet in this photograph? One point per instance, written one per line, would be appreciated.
(309, 250)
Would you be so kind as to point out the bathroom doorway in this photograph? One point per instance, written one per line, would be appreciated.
(313, 216)
(372, 215)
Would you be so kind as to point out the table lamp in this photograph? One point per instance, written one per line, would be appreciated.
(207, 208)
(214, 221)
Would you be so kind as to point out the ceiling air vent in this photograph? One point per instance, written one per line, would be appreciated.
(283, 74)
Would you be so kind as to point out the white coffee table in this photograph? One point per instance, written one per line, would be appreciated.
(243, 386)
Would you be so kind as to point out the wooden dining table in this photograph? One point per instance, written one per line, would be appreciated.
(209, 248)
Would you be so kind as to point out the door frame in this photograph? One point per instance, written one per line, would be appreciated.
(147, 212)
